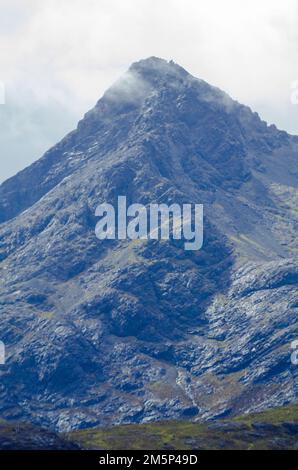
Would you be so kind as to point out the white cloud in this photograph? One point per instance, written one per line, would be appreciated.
(58, 56)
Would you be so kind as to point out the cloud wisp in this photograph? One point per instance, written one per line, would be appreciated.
(59, 56)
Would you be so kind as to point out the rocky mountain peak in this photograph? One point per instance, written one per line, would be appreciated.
(99, 332)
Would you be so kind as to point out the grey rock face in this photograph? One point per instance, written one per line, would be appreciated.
(101, 332)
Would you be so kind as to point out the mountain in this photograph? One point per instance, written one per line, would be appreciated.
(121, 331)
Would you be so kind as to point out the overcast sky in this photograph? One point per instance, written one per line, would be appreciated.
(58, 56)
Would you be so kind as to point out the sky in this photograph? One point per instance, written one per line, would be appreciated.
(57, 57)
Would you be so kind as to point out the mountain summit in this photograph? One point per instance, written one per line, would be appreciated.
(102, 332)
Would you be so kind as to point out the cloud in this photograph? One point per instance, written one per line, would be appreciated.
(59, 56)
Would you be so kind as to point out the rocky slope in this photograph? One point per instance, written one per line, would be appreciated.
(105, 332)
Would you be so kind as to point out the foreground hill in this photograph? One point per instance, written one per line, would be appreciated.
(272, 429)
(22, 436)
(105, 332)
